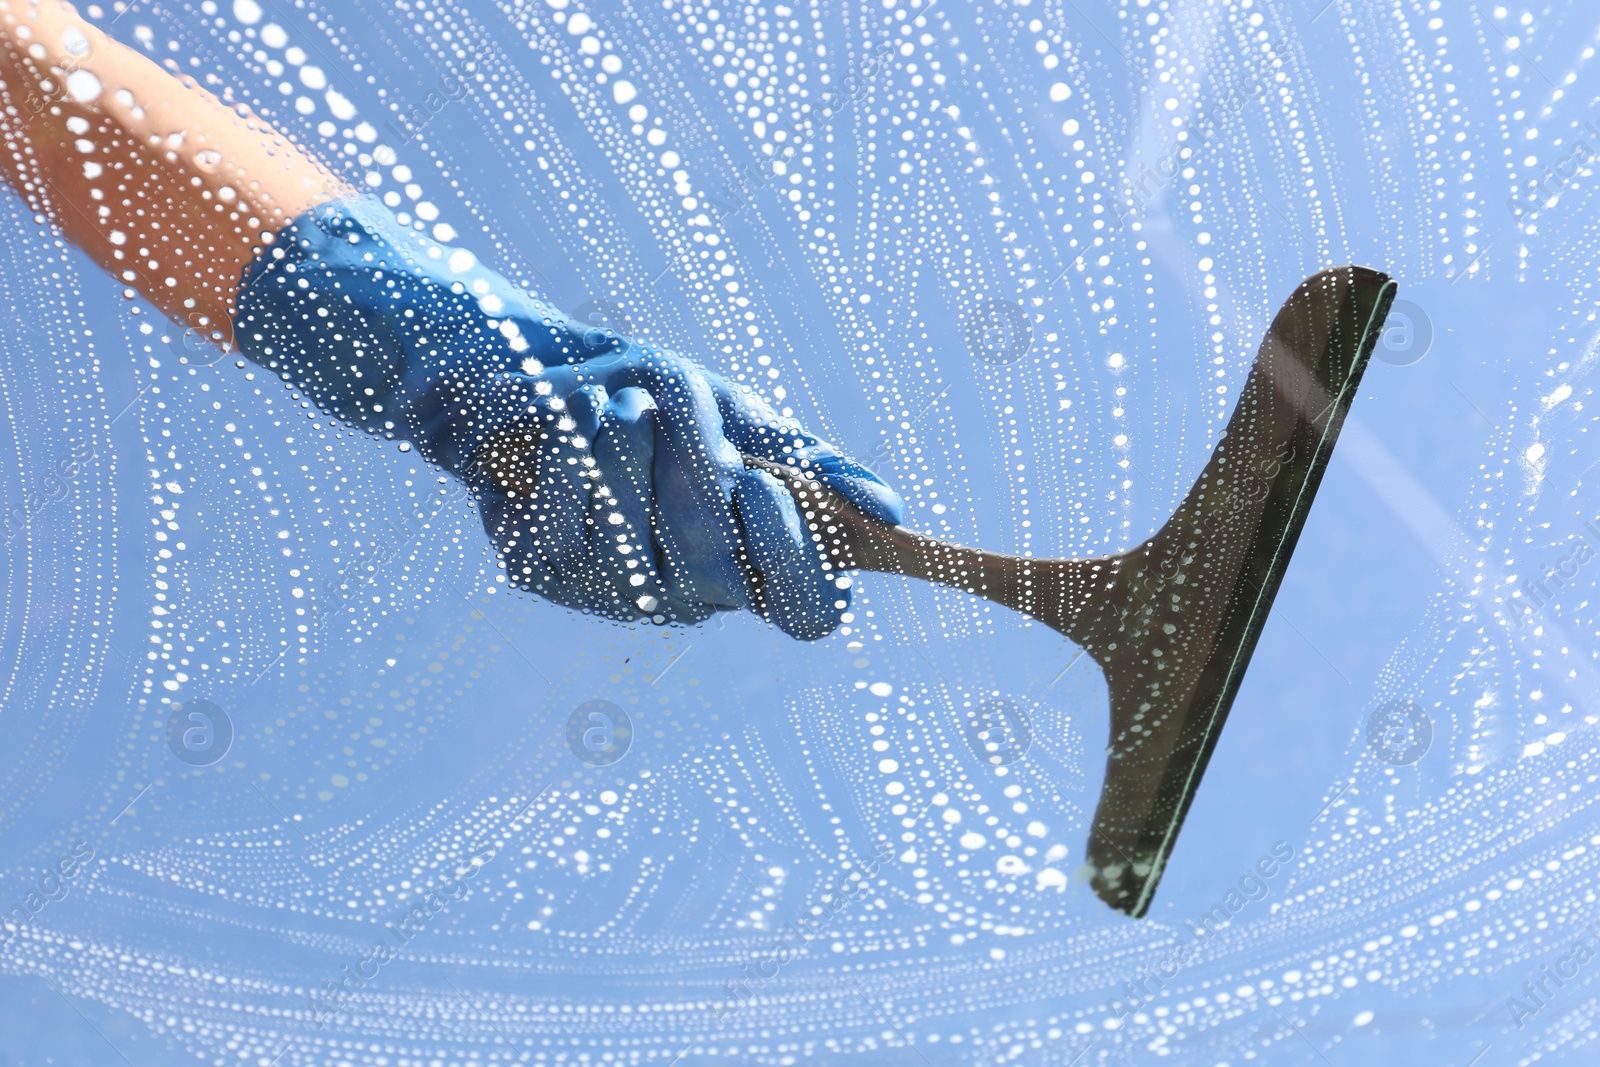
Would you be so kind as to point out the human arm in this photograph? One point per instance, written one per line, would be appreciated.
(568, 442)
(159, 182)
(611, 474)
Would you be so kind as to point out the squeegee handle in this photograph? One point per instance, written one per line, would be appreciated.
(1052, 591)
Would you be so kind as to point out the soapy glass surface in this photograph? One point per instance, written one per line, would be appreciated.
(1017, 262)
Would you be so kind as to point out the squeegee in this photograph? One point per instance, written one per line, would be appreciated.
(1173, 622)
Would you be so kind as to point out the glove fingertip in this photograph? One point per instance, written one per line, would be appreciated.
(867, 492)
(790, 587)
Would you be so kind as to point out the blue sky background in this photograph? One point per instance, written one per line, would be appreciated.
(422, 716)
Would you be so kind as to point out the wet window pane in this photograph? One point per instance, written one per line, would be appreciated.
(454, 609)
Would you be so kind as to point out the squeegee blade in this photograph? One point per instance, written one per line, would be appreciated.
(1187, 607)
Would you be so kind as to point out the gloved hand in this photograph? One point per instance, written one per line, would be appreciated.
(623, 490)
(609, 474)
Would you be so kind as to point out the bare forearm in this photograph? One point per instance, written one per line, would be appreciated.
(157, 180)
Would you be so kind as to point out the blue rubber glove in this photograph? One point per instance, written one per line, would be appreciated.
(609, 474)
